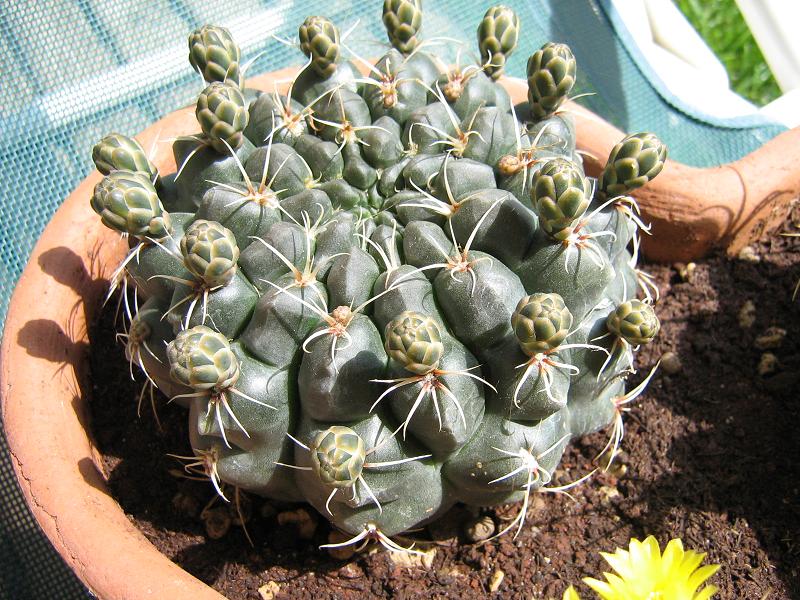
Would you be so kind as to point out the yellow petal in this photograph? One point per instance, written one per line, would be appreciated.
(601, 587)
(692, 560)
(621, 562)
(670, 567)
(619, 587)
(673, 556)
(698, 577)
(651, 543)
(570, 594)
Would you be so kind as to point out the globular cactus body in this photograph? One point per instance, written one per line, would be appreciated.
(383, 297)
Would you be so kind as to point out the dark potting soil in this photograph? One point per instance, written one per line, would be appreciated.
(711, 455)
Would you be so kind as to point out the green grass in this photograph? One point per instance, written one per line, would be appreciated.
(724, 29)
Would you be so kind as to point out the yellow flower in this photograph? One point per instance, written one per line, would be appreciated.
(643, 573)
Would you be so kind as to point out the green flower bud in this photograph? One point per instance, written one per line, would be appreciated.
(337, 456)
(403, 19)
(117, 152)
(634, 321)
(210, 252)
(319, 39)
(632, 163)
(541, 322)
(560, 196)
(202, 359)
(551, 75)
(128, 202)
(498, 32)
(415, 341)
(214, 54)
(222, 114)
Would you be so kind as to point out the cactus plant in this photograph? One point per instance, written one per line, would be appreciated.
(386, 294)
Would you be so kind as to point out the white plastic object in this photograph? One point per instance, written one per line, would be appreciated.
(681, 58)
(675, 34)
(785, 109)
(692, 72)
(774, 25)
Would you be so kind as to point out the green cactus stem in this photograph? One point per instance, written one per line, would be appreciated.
(338, 461)
(203, 360)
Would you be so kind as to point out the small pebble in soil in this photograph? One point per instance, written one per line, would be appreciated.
(748, 254)
(454, 571)
(480, 528)
(269, 590)
(607, 494)
(771, 339)
(496, 580)
(686, 271)
(306, 524)
(351, 571)
(411, 561)
(747, 315)
(217, 522)
(343, 553)
(671, 363)
(768, 364)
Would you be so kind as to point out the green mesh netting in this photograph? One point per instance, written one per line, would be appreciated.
(76, 70)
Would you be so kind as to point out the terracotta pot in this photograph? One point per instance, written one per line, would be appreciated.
(44, 377)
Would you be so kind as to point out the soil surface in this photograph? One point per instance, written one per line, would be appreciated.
(710, 456)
